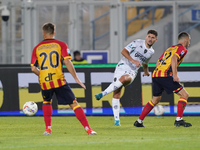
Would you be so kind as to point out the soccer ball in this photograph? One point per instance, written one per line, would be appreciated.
(30, 108)
(159, 110)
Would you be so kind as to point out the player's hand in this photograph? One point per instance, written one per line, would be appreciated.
(80, 83)
(146, 74)
(175, 78)
(137, 63)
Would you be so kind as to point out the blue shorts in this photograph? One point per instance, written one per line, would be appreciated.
(64, 94)
(165, 83)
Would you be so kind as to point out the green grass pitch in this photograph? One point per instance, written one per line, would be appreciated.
(159, 134)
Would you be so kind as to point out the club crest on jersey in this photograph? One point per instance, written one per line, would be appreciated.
(145, 51)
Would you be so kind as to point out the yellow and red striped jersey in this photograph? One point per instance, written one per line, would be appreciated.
(48, 56)
(165, 69)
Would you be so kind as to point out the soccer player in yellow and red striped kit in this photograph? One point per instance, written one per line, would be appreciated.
(48, 55)
(165, 77)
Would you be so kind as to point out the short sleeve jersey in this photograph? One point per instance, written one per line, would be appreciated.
(138, 51)
(165, 69)
(48, 56)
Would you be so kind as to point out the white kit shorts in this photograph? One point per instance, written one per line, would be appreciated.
(121, 70)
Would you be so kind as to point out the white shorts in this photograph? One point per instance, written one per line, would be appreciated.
(122, 70)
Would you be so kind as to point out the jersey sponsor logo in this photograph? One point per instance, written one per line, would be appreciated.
(49, 77)
(182, 53)
(142, 58)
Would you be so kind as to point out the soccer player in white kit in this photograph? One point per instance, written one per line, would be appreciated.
(135, 54)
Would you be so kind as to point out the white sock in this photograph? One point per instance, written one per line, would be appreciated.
(113, 86)
(139, 120)
(115, 108)
(179, 118)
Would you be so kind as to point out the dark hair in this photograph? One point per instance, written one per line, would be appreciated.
(183, 35)
(154, 32)
(49, 28)
(76, 53)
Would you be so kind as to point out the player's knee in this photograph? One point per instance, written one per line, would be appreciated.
(186, 95)
(156, 100)
(122, 79)
(126, 80)
(75, 102)
(74, 105)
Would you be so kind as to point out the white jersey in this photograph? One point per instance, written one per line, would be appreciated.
(138, 51)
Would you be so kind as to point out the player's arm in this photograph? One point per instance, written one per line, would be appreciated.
(145, 67)
(146, 70)
(126, 54)
(174, 67)
(158, 63)
(35, 70)
(72, 70)
(34, 63)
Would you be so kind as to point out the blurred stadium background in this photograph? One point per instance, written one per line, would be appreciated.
(99, 29)
(97, 25)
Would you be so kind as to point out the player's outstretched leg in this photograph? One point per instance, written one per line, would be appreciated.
(147, 108)
(113, 86)
(118, 83)
(180, 108)
(47, 113)
(80, 115)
